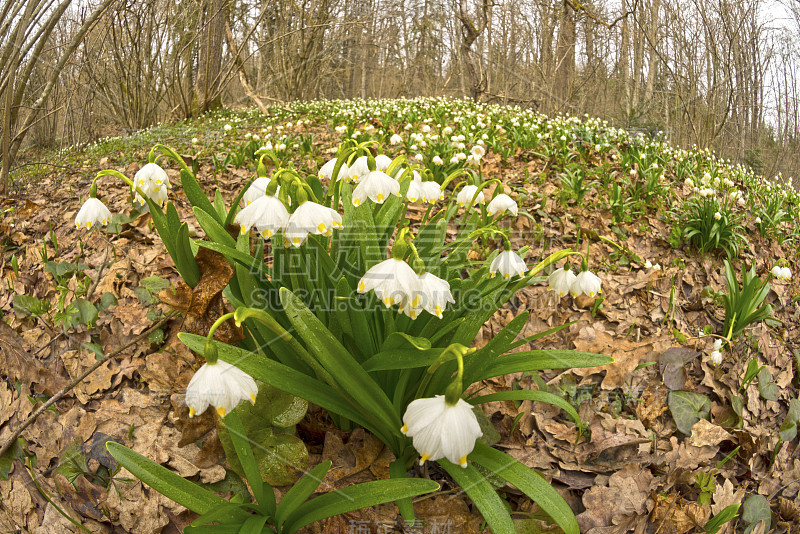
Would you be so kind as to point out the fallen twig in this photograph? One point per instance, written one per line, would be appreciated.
(58, 396)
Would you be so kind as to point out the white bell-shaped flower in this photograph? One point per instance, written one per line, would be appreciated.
(377, 186)
(326, 171)
(266, 213)
(433, 192)
(508, 263)
(310, 218)
(256, 190)
(395, 139)
(437, 160)
(153, 181)
(92, 212)
(787, 273)
(382, 162)
(716, 354)
(220, 385)
(561, 280)
(359, 169)
(777, 272)
(435, 294)
(439, 430)
(501, 204)
(394, 282)
(466, 195)
(586, 283)
(416, 191)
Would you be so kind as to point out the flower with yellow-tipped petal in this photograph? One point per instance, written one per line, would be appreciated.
(508, 263)
(220, 385)
(310, 218)
(394, 282)
(256, 190)
(267, 213)
(434, 294)
(586, 283)
(326, 171)
(501, 204)
(153, 181)
(440, 430)
(561, 280)
(377, 186)
(92, 213)
(467, 196)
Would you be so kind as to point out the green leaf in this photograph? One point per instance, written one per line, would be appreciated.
(523, 394)
(301, 491)
(26, 305)
(87, 312)
(715, 523)
(356, 497)
(169, 484)
(767, 388)
(529, 482)
(687, 408)
(241, 444)
(401, 340)
(213, 229)
(195, 193)
(756, 510)
(402, 359)
(483, 495)
(537, 360)
(788, 430)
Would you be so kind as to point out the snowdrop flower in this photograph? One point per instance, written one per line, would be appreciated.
(648, 265)
(91, 213)
(758, 220)
(465, 196)
(508, 263)
(416, 190)
(359, 169)
(220, 385)
(561, 280)
(382, 162)
(787, 273)
(689, 183)
(501, 204)
(256, 190)
(394, 282)
(477, 151)
(266, 213)
(326, 171)
(377, 186)
(439, 430)
(195, 140)
(716, 355)
(435, 294)
(433, 192)
(395, 139)
(657, 267)
(586, 283)
(153, 181)
(741, 201)
(418, 157)
(310, 218)
(454, 160)
(227, 127)
(447, 130)
(437, 160)
(718, 216)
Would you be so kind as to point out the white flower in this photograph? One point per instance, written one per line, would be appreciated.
(437, 160)
(561, 280)
(359, 169)
(465, 196)
(435, 294)
(501, 204)
(717, 215)
(439, 430)
(310, 218)
(221, 385)
(326, 171)
(586, 283)
(787, 273)
(416, 191)
(758, 220)
(266, 213)
(454, 160)
(377, 186)
(394, 282)
(382, 162)
(433, 192)
(395, 139)
(657, 267)
(418, 157)
(91, 213)
(195, 140)
(716, 357)
(227, 127)
(777, 271)
(648, 265)
(508, 263)
(153, 181)
(256, 190)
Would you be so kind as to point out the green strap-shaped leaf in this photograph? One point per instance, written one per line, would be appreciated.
(301, 491)
(537, 360)
(483, 495)
(213, 229)
(350, 376)
(184, 259)
(356, 497)
(265, 496)
(236, 201)
(195, 193)
(186, 493)
(402, 359)
(529, 482)
(524, 394)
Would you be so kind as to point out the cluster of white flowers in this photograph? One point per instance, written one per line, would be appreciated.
(269, 215)
(153, 181)
(781, 273)
(563, 281)
(649, 265)
(395, 282)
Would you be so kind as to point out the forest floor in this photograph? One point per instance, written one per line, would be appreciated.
(630, 470)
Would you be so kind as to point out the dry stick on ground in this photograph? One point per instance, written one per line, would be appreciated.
(58, 396)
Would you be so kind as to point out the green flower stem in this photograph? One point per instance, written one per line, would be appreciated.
(167, 151)
(456, 350)
(117, 174)
(210, 351)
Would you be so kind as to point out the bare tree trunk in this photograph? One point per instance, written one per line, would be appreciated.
(469, 34)
(210, 58)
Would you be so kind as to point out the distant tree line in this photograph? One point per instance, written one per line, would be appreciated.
(716, 73)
